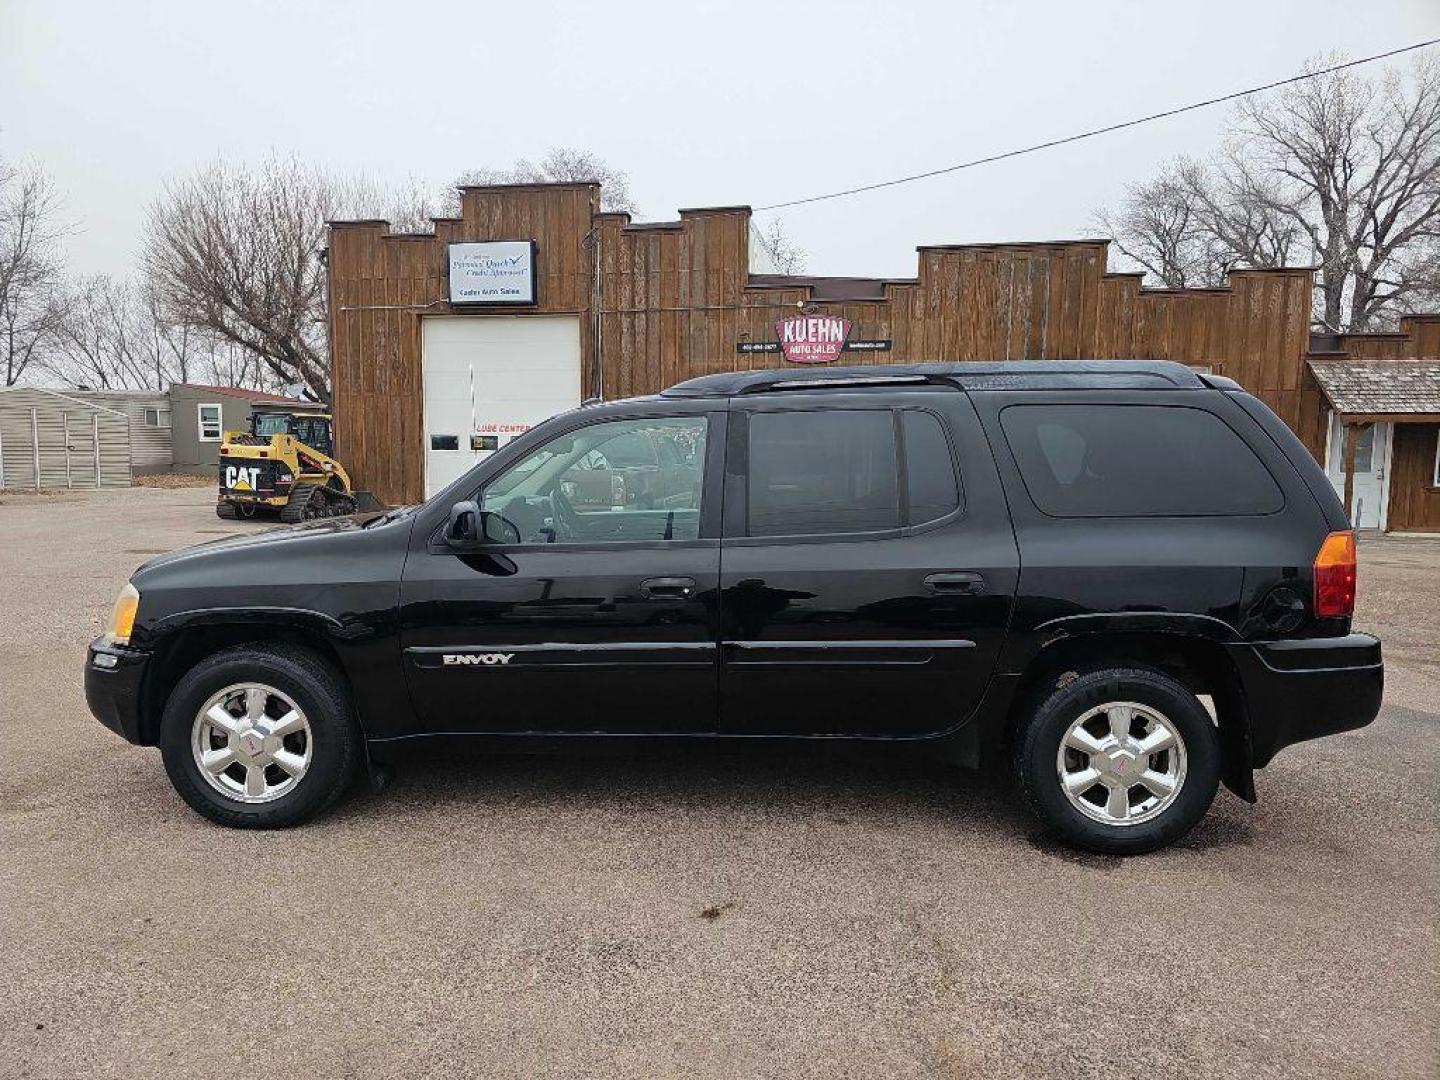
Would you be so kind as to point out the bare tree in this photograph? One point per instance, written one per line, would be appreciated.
(223, 363)
(113, 335)
(408, 206)
(1339, 169)
(236, 252)
(1192, 225)
(559, 165)
(233, 254)
(171, 348)
(30, 236)
(92, 342)
(773, 252)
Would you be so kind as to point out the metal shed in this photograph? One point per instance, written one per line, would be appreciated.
(51, 440)
(151, 450)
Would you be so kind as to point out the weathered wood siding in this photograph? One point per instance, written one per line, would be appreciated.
(1414, 496)
(673, 300)
(382, 283)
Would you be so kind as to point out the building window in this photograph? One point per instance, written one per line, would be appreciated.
(157, 418)
(209, 423)
(1435, 479)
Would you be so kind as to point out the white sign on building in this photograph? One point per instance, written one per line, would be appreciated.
(493, 272)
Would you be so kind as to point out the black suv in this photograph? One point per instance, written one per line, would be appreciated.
(1125, 580)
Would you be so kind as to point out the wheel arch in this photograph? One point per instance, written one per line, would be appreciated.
(1199, 661)
(190, 640)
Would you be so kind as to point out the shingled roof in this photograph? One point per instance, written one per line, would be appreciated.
(1380, 387)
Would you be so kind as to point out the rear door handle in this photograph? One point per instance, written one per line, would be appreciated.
(667, 588)
(956, 583)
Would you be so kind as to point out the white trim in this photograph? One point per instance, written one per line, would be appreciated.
(1389, 473)
(1435, 477)
(200, 407)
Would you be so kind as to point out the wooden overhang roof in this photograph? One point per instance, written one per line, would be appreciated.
(1380, 389)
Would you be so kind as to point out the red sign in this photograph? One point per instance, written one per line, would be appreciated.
(812, 339)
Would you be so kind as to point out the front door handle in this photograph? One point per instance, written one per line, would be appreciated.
(956, 583)
(667, 588)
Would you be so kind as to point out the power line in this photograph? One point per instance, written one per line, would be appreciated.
(1099, 131)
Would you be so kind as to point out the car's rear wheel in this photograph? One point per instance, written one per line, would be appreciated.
(1121, 760)
(260, 736)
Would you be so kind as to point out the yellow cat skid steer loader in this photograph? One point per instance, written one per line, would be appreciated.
(283, 464)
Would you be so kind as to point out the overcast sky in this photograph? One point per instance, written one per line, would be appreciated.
(704, 104)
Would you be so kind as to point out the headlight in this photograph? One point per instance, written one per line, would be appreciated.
(122, 619)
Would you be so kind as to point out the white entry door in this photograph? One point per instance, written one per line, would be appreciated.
(1372, 461)
(489, 378)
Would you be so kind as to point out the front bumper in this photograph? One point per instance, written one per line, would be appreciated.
(113, 676)
(1306, 689)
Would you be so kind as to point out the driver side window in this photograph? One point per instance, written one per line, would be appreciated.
(611, 482)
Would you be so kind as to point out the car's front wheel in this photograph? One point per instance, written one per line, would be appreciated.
(1120, 761)
(260, 736)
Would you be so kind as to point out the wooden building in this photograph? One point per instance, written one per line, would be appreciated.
(446, 343)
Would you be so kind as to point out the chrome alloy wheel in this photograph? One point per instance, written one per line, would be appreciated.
(251, 743)
(1121, 763)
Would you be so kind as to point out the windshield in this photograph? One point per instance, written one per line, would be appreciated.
(272, 424)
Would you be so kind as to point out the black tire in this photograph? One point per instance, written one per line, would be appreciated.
(1038, 745)
(225, 510)
(306, 503)
(314, 686)
(340, 504)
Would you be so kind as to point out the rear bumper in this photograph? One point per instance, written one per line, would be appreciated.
(1306, 689)
(113, 674)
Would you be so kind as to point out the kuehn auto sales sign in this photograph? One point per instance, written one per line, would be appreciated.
(812, 339)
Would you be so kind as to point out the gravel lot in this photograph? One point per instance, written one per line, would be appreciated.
(750, 912)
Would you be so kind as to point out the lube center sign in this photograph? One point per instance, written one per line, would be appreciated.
(493, 272)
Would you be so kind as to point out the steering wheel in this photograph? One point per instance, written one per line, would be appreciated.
(567, 521)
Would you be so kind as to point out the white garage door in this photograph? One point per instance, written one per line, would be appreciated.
(488, 379)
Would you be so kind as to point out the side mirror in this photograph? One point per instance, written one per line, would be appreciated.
(498, 530)
(463, 529)
(470, 527)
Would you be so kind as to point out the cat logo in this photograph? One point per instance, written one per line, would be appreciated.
(241, 478)
(489, 659)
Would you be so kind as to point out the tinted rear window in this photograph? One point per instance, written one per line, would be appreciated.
(822, 472)
(1136, 461)
(929, 470)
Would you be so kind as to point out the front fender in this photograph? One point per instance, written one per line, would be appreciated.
(300, 618)
(365, 652)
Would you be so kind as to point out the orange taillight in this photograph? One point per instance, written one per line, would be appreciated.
(1334, 568)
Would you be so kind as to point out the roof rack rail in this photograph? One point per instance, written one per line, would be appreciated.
(964, 375)
(837, 381)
